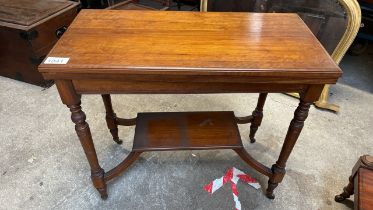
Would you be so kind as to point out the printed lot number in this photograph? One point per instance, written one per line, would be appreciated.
(56, 60)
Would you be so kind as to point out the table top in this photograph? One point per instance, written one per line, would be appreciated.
(117, 44)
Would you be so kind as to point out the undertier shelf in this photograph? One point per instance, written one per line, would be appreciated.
(186, 131)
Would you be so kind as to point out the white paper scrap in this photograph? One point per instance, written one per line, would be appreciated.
(56, 60)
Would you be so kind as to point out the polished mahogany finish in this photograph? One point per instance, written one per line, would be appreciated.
(187, 46)
(156, 52)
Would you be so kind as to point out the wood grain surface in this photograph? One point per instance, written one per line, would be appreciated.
(191, 44)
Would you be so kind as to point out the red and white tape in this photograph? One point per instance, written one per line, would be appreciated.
(232, 176)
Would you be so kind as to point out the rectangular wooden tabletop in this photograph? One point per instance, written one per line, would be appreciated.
(232, 47)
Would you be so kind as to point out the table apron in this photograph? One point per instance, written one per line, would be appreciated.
(138, 87)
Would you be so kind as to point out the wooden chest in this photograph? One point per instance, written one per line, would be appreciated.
(28, 31)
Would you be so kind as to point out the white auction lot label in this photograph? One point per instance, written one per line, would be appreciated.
(56, 60)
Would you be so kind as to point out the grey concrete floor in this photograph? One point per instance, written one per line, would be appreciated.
(43, 165)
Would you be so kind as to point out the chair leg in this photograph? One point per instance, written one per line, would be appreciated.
(257, 116)
(111, 118)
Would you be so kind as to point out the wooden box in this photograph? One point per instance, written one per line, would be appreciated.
(28, 31)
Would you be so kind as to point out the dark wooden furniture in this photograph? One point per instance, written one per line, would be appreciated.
(136, 5)
(196, 4)
(166, 3)
(129, 5)
(360, 184)
(188, 52)
(93, 4)
(28, 30)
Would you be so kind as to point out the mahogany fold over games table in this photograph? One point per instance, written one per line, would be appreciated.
(151, 52)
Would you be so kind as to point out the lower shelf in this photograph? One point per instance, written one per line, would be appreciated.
(186, 130)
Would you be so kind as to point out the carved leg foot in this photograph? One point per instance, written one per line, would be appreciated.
(341, 197)
(99, 182)
(347, 191)
(111, 118)
(278, 174)
(103, 193)
(253, 130)
(270, 188)
(114, 133)
(257, 116)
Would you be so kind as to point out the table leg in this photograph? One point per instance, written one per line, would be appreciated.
(85, 137)
(347, 191)
(72, 100)
(111, 118)
(257, 116)
(294, 130)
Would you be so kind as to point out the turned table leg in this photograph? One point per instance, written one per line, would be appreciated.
(296, 125)
(111, 118)
(85, 137)
(72, 100)
(257, 116)
(347, 191)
